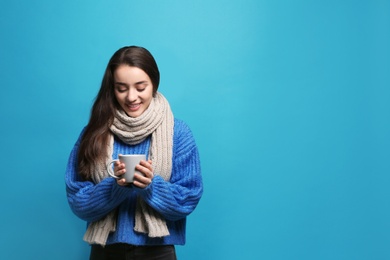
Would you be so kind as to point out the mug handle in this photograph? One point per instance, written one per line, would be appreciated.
(110, 171)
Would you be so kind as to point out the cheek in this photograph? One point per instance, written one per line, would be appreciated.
(150, 96)
(148, 101)
(119, 97)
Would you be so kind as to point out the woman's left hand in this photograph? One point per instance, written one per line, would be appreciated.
(145, 178)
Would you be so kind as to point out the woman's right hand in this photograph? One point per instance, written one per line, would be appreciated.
(119, 169)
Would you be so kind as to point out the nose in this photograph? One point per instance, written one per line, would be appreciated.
(132, 95)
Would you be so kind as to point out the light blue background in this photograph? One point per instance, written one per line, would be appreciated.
(289, 102)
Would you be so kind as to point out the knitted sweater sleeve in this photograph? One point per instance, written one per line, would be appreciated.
(177, 198)
(90, 201)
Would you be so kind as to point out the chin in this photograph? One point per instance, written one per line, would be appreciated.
(133, 114)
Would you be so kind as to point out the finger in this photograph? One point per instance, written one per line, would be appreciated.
(141, 184)
(120, 172)
(139, 178)
(121, 182)
(120, 168)
(146, 164)
(119, 165)
(142, 179)
(145, 172)
(145, 169)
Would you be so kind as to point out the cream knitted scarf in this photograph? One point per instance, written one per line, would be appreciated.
(157, 120)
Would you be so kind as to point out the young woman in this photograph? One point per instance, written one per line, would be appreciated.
(144, 219)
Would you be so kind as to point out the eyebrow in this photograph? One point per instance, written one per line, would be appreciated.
(120, 83)
(124, 84)
(141, 82)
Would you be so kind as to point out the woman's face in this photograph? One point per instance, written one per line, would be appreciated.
(133, 89)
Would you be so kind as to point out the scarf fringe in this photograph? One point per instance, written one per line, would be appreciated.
(156, 227)
(97, 232)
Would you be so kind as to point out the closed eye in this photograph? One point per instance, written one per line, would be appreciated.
(141, 86)
(121, 87)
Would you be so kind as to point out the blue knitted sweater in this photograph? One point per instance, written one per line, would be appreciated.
(174, 200)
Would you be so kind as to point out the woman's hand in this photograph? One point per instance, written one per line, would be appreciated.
(140, 180)
(145, 178)
(119, 169)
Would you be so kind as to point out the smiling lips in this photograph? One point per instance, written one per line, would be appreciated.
(134, 107)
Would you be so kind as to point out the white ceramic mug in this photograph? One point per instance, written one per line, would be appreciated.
(130, 161)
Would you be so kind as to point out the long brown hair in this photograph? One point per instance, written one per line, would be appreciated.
(93, 146)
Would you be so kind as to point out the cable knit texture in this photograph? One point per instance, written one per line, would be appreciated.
(174, 200)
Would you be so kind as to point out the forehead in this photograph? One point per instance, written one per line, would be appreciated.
(128, 73)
